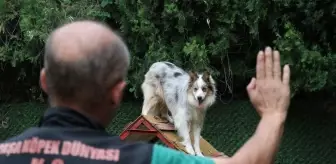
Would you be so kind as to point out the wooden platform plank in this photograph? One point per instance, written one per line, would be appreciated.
(160, 123)
(140, 137)
(206, 148)
(169, 132)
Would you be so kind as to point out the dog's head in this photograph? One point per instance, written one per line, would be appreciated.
(202, 89)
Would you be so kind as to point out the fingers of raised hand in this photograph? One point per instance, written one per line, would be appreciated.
(286, 75)
(260, 65)
(268, 67)
(276, 65)
(268, 63)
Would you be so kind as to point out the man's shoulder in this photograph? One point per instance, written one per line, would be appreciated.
(99, 139)
(25, 134)
(90, 149)
(78, 145)
(92, 146)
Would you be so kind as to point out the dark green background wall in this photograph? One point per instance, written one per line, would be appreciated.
(309, 137)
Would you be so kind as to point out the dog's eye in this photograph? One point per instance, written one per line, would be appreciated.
(195, 89)
(204, 89)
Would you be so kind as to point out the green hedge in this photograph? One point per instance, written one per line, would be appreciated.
(223, 36)
(309, 136)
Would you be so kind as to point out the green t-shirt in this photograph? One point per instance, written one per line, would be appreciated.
(163, 155)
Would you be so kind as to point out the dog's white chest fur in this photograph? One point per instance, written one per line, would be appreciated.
(169, 89)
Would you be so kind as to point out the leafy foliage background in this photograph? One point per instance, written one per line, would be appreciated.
(221, 36)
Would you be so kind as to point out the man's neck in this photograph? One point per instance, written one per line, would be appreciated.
(96, 114)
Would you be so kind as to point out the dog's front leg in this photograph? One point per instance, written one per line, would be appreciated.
(196, 129)
(184, 131)
(169, 118)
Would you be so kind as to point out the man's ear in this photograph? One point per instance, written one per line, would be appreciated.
(43, 80)
(117, 92)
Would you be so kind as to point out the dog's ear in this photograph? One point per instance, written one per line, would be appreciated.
(206, 76)
(193, 76)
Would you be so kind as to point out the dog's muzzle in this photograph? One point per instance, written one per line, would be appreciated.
(200, 100)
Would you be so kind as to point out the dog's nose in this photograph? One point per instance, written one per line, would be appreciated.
(200, 99)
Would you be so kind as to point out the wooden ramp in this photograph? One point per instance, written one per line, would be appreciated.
(151, 129)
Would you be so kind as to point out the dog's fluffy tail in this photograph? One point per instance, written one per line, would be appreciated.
(153, 96)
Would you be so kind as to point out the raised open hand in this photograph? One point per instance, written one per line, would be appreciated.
(268, 92)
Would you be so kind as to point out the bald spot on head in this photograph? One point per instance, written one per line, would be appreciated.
(82, 61)
(80, 39)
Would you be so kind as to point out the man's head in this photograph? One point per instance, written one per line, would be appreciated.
(85, 65)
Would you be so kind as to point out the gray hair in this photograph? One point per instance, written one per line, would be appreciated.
(88, 80)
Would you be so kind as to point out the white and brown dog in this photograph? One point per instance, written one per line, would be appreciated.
(181, 98)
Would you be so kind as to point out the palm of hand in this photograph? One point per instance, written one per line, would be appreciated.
(268, 93)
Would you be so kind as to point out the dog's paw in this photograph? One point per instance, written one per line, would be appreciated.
(183, 143)
(170, 120)
(190, 150)
(198, 153)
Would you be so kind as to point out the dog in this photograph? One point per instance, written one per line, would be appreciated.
(180, 97)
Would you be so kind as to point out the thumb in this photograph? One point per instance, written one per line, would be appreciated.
(251, 86)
